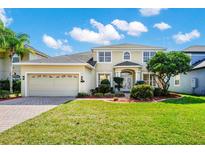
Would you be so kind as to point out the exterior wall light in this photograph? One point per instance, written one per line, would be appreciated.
(81, 79)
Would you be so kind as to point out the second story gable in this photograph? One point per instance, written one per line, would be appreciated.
(196, 53)
(114, 54)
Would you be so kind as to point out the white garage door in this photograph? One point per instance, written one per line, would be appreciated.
(53, 84)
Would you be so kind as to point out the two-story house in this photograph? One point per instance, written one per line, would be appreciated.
(194, 81)
(5, 62)
(69, 74)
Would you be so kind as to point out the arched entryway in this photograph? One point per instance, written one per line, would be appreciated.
(129, 79)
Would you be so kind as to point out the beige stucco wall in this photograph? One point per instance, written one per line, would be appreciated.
(35, 56)
(117, 57)
(83, 70)
(4, 66)
(27, 57)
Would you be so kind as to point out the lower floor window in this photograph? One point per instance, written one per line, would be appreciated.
(149, 78)
(177, 80)
(102, 76)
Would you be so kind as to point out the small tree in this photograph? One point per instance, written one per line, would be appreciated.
(167, 65)
(118, 81)
(13, 43)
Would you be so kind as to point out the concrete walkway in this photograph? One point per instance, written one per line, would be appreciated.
(15, 111)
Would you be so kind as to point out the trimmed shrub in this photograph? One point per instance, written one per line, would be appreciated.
(142, 91)
(82, 94)
(105, 81)
(98, 94)
(4, 85)
(112, 90)
(4, 94)
(119, 82)
(97, 90)
(139, 82)
(104, 87)
(93, 91)
(119, 94)
(110, 95)
(17, 86)
(158, 92)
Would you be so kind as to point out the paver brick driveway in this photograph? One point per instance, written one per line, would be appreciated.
(15, 111)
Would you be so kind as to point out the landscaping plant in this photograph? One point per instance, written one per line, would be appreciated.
(142, 91)
(104, 86)
(82, 94)
(119, 82)
(119, 94)
(4, 94)
(13, 43)
(98, 95)
(166, 65)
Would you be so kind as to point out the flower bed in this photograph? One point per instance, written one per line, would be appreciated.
(154, 99)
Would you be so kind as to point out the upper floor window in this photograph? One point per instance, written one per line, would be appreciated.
(16, 59)
(126, 55)
(104, 56)
(147, 56)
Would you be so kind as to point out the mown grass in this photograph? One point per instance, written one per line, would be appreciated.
(179, 121)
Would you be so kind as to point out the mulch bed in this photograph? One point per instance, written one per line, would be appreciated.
(131, 100)
(4, 99)
(154, 99)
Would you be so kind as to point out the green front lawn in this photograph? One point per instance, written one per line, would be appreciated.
(97, 122)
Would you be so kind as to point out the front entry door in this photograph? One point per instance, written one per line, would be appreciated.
(127, 82)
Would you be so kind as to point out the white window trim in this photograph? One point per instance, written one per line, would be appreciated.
(124, 57)
(104, 62)
(27, 73)
(149, 55)
(149, 77)
(15, 55)
(97, 74)
(177, 85)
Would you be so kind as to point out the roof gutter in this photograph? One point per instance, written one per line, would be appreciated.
(55, 64)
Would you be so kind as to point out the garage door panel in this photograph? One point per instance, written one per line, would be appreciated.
(53, 85)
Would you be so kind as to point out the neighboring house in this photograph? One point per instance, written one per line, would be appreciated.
(69, 74)
(5, 65)
(194, 81)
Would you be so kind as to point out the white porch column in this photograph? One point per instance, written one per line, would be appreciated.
(138, 75)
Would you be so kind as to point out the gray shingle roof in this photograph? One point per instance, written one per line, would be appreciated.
(195, 48)
(127, 63)
(132, 46)
(83, 57)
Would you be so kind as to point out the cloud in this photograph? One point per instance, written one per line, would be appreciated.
(3, 17)
(150, 11)
(186, 37)
(162, 26)
(57, 44)
(104, 35)
(134, 28)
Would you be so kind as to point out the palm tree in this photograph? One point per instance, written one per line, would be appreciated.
(13, 43)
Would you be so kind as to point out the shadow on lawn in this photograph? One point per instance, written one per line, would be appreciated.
(186, 100)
